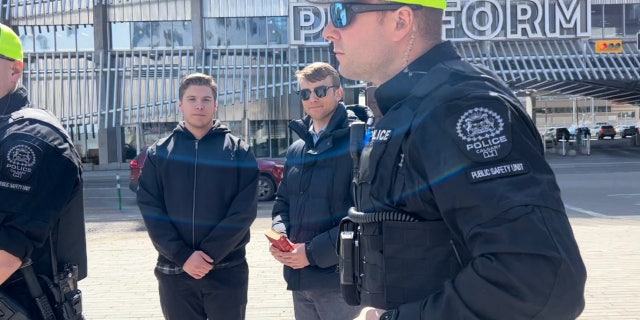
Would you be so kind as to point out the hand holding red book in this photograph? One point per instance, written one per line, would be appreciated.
(280, 241)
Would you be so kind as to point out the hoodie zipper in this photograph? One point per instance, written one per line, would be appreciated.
(193, 209)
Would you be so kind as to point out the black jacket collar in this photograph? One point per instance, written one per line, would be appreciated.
(14, 101)
(400, 86)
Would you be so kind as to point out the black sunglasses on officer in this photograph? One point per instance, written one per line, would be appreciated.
(342, 13)
(320, 92)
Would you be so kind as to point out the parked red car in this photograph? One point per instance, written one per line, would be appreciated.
(271, 170)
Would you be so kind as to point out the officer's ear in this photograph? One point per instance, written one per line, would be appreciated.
(16, 68)
(405, 19)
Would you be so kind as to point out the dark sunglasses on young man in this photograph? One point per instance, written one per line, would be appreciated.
(320, 92)
(342, 13)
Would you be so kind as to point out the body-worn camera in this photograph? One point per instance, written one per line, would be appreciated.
(348, 262)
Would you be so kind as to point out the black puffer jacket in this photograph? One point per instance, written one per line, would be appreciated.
(314, 196)
(199, 195)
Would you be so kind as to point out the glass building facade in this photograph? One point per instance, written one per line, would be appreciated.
(110, 69)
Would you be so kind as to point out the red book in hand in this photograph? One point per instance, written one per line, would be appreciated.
(280, 241)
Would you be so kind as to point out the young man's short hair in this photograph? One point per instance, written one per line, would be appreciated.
(318, 71)
(198, 79)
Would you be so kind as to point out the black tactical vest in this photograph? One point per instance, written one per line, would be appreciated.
(402, 262)
(68, 239)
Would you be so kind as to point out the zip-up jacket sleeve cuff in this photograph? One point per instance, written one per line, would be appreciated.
(183, 256)
(309, 252)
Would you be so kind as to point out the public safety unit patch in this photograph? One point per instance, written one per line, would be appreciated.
(483, 134)
(497, 170)
(19, 159)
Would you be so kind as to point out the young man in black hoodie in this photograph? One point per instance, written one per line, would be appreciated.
(314, 195)
(198, 197)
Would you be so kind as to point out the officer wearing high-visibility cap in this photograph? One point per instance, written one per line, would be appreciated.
(458, 214)
(42, 234)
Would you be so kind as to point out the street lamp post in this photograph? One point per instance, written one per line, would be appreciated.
(245, 120)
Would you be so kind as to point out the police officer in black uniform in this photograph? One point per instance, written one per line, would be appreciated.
(458, 214)
(41, 211)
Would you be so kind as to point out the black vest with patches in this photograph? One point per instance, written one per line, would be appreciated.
(67, 240)
(402, 262)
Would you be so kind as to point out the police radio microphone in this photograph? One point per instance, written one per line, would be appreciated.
(356, 139)
(349, 252)
(357, 130)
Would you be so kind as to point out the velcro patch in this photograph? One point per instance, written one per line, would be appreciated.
(498, 170)
(18, 160)
(484, 133)
(381, 135)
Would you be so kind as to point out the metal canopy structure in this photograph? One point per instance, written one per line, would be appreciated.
(561, 67)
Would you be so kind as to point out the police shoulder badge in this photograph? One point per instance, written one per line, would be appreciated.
(18, 160)
(483, 132)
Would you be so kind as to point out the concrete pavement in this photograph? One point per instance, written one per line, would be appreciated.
(121, 284)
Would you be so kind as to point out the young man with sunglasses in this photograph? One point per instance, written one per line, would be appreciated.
(314, 195)
(478, 229)
(41, 212)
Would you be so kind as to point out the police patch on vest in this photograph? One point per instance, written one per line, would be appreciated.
(19, 159)
(498, 170)
(381, 135)
(483, 134)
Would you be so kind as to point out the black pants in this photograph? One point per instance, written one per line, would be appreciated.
(220, 295)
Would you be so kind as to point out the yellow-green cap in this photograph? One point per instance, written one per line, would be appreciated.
(438, 4)
(10, 45)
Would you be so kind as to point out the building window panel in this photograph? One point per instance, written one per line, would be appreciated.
(142, 35)
(182, 34)
(44, 39)
(257, 31)
(215, 34)
(65, 38)
(597, 21)
(27, 38)
(632, 19)
(236, 31)
(85, 39)
(163, 35)
(121, 36)
(152, 34)
(613, 21)
(277, 30)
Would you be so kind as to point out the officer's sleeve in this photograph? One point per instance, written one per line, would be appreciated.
(150, 198)
(36, 181)
(501, 201)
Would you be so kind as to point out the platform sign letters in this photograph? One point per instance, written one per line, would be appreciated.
(306, 23)
(517, 19)
(477, 20)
